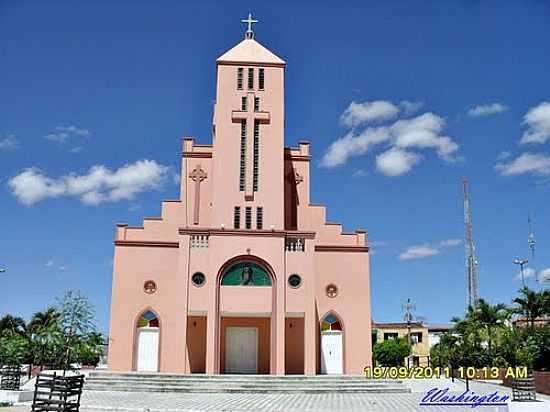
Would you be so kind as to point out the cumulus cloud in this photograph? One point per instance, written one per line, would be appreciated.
(402, 140)
(9, 142)
(63, 133)
(426, 250)
(537, 164)
(487, 109)
(395, 162)
(504, 155)
(99, 185)
(359, 113)
(537, 121)
(360, 173)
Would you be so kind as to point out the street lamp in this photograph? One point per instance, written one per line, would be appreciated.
(521, 263)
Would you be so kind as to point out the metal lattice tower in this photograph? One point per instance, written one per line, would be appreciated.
(531, 243)
(471, 260)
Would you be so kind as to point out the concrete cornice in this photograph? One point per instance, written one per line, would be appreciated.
(247, 232)
(146, 243)
(341, 248)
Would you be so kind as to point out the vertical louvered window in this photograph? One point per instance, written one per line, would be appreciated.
(237, 218)
(248, 218)
(240, 75)
(256, 165)
(260, 218)
(243, 155)
(250, 79)
(256, 104)
(261, 79)
(243, 103)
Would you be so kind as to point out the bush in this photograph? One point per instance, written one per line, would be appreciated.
(391, 352)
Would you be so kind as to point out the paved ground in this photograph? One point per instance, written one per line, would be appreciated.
(96, 401)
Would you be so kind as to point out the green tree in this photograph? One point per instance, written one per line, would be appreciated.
(10, 325)
(46, 337)
(391, 352)
(530, 304)
(14, 349)
(76, 318)
(491, 318)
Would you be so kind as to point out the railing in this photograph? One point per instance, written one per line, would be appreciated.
(199, 241)
(11, 378)
(295, 244)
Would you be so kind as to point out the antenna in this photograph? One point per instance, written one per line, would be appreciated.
(469, 248)
(408, 308)
(531, 243)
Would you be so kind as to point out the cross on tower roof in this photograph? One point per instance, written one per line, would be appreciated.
(249, 34)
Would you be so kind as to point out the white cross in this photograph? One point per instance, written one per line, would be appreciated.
(249, 34)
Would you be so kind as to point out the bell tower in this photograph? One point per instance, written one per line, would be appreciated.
(248, 137)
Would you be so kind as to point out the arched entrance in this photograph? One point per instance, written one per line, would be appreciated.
(147, 342)
(332, 345)
(245, 325)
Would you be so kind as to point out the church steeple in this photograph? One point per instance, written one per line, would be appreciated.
(249, 136)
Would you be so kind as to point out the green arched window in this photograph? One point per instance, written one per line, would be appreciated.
(246, 274)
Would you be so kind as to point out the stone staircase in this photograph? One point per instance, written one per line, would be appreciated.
(161, 382)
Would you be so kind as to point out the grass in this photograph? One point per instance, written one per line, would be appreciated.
(5, 404)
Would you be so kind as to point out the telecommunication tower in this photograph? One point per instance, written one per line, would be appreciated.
(471, 260)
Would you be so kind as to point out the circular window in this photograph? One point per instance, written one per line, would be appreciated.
(294, 281)
(331, 291)
(149, 287)
(198, 279)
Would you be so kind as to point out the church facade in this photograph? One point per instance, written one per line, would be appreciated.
(242, 274)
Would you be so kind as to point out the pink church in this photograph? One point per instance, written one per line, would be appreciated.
(242, 274)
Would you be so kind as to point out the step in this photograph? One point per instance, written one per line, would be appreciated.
(202, 383)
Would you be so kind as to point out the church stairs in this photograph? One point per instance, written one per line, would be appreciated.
(198, 383)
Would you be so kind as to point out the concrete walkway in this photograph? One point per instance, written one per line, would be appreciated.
(96, 401)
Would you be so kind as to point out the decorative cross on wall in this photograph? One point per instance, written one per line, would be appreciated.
(197, 175)
(251, 116)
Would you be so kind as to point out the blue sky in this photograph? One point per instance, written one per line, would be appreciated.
(111, 84)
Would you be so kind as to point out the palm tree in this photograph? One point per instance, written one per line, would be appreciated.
(12, 325)
(44, 332)
(491, 317)
(531, 305)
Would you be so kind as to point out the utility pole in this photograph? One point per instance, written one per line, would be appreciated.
(469, 248)
(521, 263)
(408, 308)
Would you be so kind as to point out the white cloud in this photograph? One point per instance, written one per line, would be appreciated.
(450, 242)
(49, 263)
(487, 109)
(99, 185)
(544, 275)
(77, 149)
(64, 133)
(426, 250)
(395, 162)
(537, 164)
(360, 173)
(9, 142)
(410, 107)
(419, 252)
(359, 113)
(504, 155)
(537, 121)
(401, 137)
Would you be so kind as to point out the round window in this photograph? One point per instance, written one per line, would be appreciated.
(198, 279)
(331, 291)
(294, 281)
(149, 287)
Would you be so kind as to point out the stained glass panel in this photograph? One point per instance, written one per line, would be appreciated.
(148, 319)
(246, 274)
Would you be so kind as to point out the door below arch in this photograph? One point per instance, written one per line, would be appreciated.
(332, 359)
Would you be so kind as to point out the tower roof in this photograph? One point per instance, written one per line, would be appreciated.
(250, 51)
